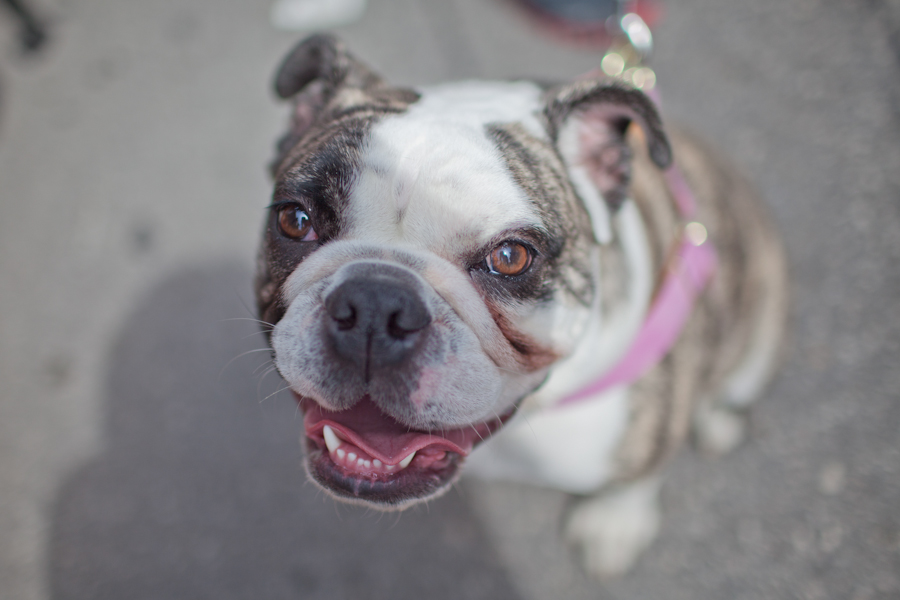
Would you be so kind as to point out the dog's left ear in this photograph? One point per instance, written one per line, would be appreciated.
(587, 120)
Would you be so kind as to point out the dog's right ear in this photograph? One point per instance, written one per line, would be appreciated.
(324, 60)
(320, 74)
(310, 75)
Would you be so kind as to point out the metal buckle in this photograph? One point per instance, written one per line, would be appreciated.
(633, 45)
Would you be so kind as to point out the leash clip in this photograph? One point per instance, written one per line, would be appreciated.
(625, 58)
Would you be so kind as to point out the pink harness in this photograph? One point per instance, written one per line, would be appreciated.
(686, 277)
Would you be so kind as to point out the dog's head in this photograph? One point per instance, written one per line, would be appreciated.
(429, 256)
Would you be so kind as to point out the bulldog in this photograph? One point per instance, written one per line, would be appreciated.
(514, 269)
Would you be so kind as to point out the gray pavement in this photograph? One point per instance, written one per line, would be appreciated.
(141, 454)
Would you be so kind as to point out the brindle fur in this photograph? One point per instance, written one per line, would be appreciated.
(748, 290)
(537, 169)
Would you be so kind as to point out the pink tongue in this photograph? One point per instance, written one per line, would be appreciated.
(365, 426)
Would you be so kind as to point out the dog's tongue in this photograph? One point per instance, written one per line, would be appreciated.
(365, 426)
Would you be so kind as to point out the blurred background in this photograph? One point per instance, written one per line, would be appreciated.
(145, 450)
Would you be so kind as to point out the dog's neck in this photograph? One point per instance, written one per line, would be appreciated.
(669, 262)
(646, 233)
(626, 269)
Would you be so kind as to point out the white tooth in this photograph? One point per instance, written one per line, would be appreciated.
(331, 440)
(368, 464)
(341, 454)
(360, 463)
(405, 462)
(377, 463)
(352, 456)
(390, 467)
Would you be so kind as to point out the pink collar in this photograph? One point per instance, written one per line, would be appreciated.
(686, 276)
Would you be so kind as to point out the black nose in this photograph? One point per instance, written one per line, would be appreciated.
(376, 320)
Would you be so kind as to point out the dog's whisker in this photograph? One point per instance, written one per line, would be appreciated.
(247, 308)
(527, 422)
(262, 378)
(278, 391)
(260, 382)
(222, 371)
(250, 335)
(271, 367)
(258, 321)
(460, 490)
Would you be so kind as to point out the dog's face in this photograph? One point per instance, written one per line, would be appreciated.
(429, 257)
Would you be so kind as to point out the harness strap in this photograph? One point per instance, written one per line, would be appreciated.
(686, 277)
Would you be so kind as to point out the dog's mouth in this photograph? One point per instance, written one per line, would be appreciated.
(363, 455)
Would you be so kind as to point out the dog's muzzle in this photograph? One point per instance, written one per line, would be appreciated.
(395, 385)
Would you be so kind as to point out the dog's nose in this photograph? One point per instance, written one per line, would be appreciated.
(376, 321)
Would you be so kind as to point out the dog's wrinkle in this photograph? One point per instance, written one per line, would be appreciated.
(531, 355)
(529, 287)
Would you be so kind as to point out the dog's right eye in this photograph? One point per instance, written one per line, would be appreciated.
(293, 222)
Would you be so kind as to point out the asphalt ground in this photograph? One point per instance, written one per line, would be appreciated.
(144, 455)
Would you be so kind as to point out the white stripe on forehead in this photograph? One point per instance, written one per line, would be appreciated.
(432, 178)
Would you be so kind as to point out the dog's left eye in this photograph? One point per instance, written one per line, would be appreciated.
(294, 223)
(509, 258)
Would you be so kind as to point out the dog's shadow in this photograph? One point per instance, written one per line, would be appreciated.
(200, 492)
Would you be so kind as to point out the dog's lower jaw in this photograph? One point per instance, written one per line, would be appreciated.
(396, 492)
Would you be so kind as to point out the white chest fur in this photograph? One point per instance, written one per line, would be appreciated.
(571, 449)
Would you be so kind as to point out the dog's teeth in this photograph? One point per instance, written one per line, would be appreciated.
(331, 440)
(334, 443)
(405, 462)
